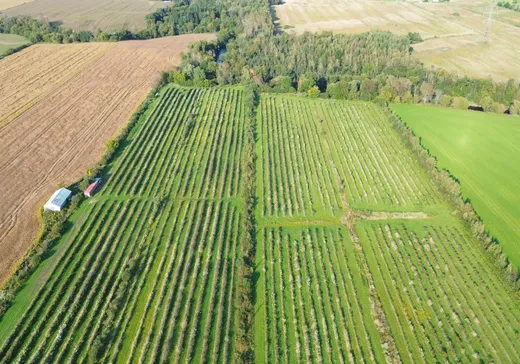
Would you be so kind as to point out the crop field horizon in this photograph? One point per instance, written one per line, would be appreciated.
(452, 32)
(480, 149)
(358, 256)
(86, 15)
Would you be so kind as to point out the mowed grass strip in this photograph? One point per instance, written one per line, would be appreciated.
(481, 150)
(10, 41)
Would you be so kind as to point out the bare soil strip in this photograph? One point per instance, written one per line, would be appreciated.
(69, 118)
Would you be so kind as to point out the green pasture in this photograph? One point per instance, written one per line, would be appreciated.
(9, 41)
(482, 151)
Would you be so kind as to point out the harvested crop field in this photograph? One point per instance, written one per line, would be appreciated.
(453, 32)
(62, 104)
(6, 4)
(355, 16)
(87, 15)
(498, 58)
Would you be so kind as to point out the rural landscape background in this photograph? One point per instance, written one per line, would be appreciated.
(281, 181)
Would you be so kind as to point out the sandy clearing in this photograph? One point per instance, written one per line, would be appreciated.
(64, 133)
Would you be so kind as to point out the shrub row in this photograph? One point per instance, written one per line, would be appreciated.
(14, 50)
(244, 343)
(450, 187)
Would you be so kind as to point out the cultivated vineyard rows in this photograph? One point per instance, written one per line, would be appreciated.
(314, 151)
(149, 275)
(192, 148)
(152, 272)
(334, 288)
(59, 105)
(315, 305)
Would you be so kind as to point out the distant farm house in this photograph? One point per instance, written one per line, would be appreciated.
(92, 187)
(57, 200)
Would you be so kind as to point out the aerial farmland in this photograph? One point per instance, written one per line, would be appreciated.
(331, 240)
(65, 111)
(452, 32)
(253, 181)
(86, 15)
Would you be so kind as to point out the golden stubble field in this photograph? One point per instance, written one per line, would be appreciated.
(453, 32)
(6, 4)
(90, 15)
(59, 104)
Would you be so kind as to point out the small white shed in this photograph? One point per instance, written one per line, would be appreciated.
(57, 200)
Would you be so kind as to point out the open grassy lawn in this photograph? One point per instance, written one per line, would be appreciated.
(482, 151)
(8, 41)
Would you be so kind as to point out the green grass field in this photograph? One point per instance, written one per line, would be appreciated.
(358, 259)
(8, 41)
(482, 151)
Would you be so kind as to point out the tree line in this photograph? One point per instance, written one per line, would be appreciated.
(37, 31)
(225, 17)
(366, 66)
(512, 5)
(245, 305)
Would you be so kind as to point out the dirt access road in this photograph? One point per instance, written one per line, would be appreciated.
(59, 104)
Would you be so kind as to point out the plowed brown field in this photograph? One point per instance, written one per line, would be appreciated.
(59, 104)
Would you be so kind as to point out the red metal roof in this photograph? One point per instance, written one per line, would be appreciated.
(91, 188)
